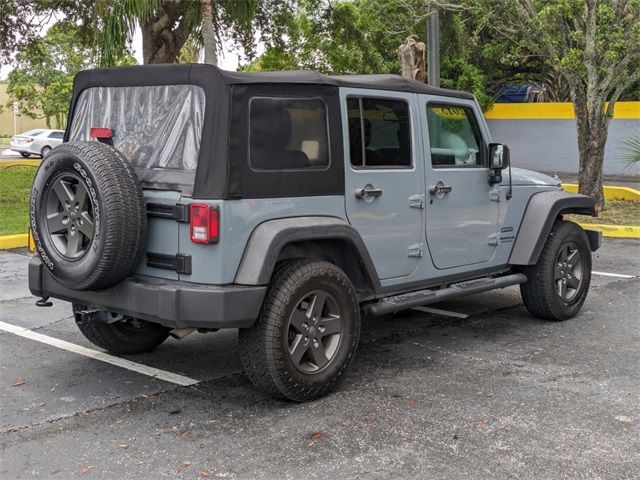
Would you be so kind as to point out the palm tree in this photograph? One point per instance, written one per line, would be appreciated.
(208, 34)
(631, 151)
(167, 24)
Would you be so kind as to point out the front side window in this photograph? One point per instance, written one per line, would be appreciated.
(454, 136)
(379, 133)
(155, 127)
(57, 135)
(288, 133)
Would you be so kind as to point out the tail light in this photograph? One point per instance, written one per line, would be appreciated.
(101, 132)
(204, 222)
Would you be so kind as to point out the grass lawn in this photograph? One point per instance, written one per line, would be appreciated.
(15, 185)
(616, 212)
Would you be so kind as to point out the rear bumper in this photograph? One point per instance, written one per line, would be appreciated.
(173, 304)
(22, 148)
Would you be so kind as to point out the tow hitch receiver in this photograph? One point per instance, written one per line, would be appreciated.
(94, 315)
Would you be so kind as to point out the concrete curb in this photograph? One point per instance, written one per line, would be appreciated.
(614, 231)
(610, 192)
(13, 241)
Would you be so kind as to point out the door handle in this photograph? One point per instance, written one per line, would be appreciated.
(368, 192)
(439, 189)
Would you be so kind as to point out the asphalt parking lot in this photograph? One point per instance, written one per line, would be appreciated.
(480, 390)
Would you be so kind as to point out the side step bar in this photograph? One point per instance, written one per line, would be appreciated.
(405, 301)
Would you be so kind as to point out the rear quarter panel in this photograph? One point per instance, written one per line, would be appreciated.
(218, 263)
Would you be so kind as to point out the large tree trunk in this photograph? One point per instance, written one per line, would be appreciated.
(411, 55)
(165, 31)
(593, 128)
(209, 33)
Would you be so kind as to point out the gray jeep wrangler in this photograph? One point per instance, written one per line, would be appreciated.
(287, 205)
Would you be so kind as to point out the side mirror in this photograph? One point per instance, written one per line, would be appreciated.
(499, 156)
(499, 159)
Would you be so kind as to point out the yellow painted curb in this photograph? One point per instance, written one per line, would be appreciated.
(13, 241)
(610, 192)
(614, 231)
(19, 163)
(553, 111)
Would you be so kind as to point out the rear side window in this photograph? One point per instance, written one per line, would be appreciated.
(454, 136)
(379, 133)
(288, 133)
(33, 133)
(155, 127)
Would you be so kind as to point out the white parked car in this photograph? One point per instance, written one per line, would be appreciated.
(36, 142)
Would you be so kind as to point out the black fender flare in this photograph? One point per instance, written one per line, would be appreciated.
(542, 211)
(269, 238)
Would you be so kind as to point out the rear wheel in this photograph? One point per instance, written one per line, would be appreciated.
(307, 332)
(558, 284)
(125, 337)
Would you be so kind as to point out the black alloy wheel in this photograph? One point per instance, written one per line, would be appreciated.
(568, 271)
(315, 332)
(69, 216)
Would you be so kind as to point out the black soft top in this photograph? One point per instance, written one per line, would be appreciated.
(376, 81)
(223, 170)
(191, 73)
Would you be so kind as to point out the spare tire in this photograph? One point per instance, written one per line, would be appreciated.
(87, 215)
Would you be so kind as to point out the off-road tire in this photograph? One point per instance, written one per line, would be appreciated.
(264, 346)
(123, 338)
(115, 246)
(540, 292)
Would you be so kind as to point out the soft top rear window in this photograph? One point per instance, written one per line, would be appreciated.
(155, 127)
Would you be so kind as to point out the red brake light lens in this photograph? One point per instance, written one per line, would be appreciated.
(204, 221)
(101, 132)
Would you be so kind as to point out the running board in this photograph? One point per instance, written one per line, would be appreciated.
(405, 301)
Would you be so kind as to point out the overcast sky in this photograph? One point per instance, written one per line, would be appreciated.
(227, 59)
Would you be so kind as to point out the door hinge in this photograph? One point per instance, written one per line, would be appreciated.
(493, 238)
(494, 195)
(415, 250)
(416, 201)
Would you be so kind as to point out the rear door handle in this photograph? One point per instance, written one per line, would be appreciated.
(368, 192)
(439, 189)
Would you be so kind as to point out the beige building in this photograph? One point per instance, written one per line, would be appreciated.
(23, 123)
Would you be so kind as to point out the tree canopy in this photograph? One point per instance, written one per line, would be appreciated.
(42, 79)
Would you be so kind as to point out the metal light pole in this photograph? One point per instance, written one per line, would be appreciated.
(433, 49)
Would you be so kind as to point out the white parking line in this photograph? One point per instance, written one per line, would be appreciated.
(103, 357)
(438, 311)
(619, 275)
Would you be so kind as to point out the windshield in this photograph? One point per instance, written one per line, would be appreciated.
(155, 127)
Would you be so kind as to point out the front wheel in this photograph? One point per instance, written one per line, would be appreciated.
(307, 332)
(24, 154)
(558, 284)
(45, 151)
